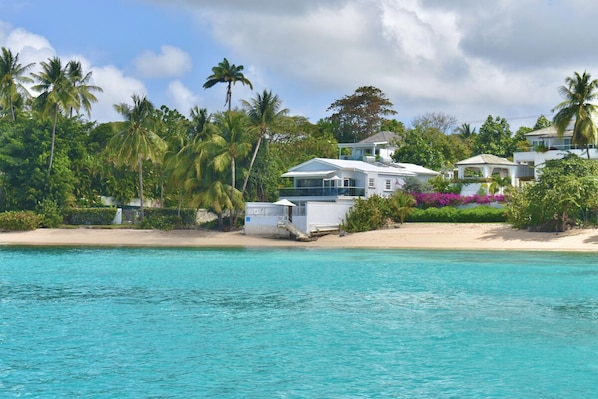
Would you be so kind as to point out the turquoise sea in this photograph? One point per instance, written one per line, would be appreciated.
(282, 323)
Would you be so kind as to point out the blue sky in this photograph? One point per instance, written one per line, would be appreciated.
(468, 59)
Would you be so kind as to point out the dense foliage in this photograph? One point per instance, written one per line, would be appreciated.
(449, 214)
(19, 220)
(565, 194)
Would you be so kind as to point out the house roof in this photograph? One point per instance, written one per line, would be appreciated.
(320, 167)
(420, 170)
(486, 159)
(550, 131)
(380, 138)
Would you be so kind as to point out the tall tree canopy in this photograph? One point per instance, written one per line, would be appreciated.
(84, 96)
(57, 94)
(359, 115)
(579, 92)
(264, 111)
(230, 74)
(12, 80)
(495, 137)
(138, 140)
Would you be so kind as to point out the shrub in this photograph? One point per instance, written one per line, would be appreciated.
(50, 214)
(19, 220)
(479, 214)
(438, 200)
(168, 218)
(89, 216)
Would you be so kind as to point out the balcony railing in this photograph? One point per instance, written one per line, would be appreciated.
(322, 192)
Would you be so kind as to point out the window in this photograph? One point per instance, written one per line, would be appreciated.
(387, 184)
(371, 182)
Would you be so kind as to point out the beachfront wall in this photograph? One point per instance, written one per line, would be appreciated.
(325, 216)
(266, 219)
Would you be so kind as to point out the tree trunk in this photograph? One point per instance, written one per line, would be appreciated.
(233, 213)
(141, 187)
(257, 147)
(53, 137)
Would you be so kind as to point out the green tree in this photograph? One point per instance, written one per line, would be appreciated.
(565, 192)
(495, 137)
(224, 72)
(83, 90)
(24, 149)
(229, 144)
(401, 204)
(12, 80)
(264, 111)
(465, 131)
(359, 115)
(57, 94)
(138, 140)
(541, 123)
(579, 91)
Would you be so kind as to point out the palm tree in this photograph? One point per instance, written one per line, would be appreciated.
(57, 94)
(229, 144)
(263, 111)
(579, 91)
(224, 72)
(12, 80)
(82, 87)
(137, 141)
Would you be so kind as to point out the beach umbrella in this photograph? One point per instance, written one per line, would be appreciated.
(284, 202)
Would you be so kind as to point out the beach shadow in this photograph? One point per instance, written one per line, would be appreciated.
(512, 234)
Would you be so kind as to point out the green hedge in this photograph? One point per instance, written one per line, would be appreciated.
(89, 216)
(19, 220)
(478, 214)
(168, 218)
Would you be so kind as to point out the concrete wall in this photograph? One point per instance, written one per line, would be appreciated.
(323, 216)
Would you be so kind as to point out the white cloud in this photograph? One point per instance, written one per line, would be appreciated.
(171, 62)
(182, 98)
(117, 88)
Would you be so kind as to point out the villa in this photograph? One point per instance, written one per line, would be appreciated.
(543, 145)
(323, 190)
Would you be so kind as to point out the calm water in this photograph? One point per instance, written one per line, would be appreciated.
(138, 323)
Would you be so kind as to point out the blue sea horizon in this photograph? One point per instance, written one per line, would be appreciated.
(297, 323)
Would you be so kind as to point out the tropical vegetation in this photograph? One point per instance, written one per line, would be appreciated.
(55, 163)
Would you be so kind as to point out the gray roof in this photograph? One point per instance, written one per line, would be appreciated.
(381, 137)
(486, 159)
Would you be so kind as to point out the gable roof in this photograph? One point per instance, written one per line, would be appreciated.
(486, 159)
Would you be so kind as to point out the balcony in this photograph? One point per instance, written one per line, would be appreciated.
(322, 192)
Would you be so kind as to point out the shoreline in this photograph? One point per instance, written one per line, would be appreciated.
(432, 236)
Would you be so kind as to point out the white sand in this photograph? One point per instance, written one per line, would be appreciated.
(493, 236)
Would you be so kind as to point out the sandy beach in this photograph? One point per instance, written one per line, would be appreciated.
(493, 236)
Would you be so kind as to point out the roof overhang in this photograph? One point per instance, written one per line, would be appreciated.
(309, 173)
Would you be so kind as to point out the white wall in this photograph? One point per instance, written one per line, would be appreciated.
(323, 216)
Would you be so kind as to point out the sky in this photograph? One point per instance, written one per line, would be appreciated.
(464, 58)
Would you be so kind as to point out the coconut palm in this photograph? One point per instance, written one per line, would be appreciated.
(579, 91)
(57, 94)
(11, 81)
(82, 87)
(264, 111)
(224, 72)
(227, 145)
(137, 141)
